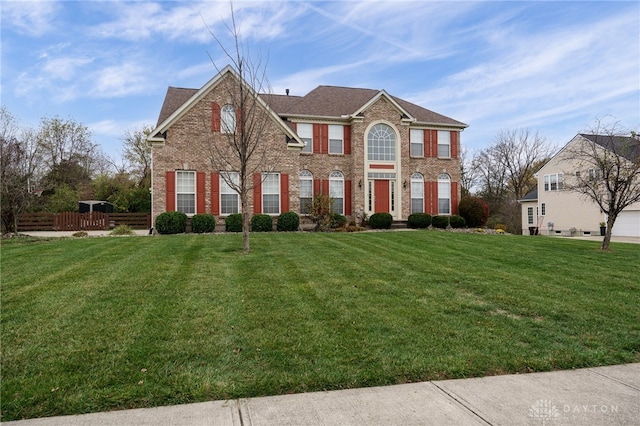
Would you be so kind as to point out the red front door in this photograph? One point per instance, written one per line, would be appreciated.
(381, 196)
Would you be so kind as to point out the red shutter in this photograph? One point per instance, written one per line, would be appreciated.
(257, 193)
(325, 186)
(284, 192)
(215, 117)
(317, 187)
(215, 193)
(294, 126)
(238, 120)
(324, 139)
(170, 192)
(454, 144)
(454, 197)
(427, 143)
(347, 140)
(200, 193)
(316, 139)
(434, 143)
(427, 197)
(434, 194)
(347, 197)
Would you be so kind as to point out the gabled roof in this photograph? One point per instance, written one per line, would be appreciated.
(322, 102)
(179, 100)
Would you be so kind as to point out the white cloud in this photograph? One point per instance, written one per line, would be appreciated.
(33, 18)
(120, 80)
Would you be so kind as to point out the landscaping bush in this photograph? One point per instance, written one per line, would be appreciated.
(380, 221)
(202, 223)
(171, 223)
(261, 223)
(440, 222)
(474, 210)
(419, 220)
(338, 220)
(288, 221)
(457, 221)
(233, 223)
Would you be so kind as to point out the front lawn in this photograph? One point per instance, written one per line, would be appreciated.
(99, 324)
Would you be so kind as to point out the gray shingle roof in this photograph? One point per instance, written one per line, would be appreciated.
(323, 101)
(626, 146)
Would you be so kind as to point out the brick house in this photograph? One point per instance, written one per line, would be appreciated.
(370, 151)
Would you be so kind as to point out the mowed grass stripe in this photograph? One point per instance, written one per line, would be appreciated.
(113, 323)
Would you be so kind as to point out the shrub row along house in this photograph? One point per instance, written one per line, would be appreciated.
(369, 151)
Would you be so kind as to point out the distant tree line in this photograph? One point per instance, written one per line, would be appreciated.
(52, 167)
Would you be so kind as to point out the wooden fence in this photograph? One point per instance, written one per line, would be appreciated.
(73, 221)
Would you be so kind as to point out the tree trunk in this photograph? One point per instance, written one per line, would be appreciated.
(607, 234)
(246, 225)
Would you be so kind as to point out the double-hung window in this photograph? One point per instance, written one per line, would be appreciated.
(271, 193)
(229, 198)
(186, 191)
(336, 192)
(306, 191)
(228, 119)
(305, 131)
(417, 193)
(336, 139)
(417, 142)
(530, 215)
(444, 144)
(444, 194)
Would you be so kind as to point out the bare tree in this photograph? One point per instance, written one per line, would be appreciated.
(19, 156)
(468, 174)
(507, 169)
(244, 149)
(606, 171)
(137, 154)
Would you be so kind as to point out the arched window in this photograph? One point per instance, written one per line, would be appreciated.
(306, 191)
(228, 118)
(417, 193)
(381, 143)
(444, 194)
(336, 192)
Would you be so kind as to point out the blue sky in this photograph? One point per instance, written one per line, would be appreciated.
(554, 67)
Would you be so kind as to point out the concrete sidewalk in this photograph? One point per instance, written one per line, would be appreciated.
(592, 396)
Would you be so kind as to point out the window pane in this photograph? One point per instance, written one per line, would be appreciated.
(228, 203)
(271, 184)
(417, 205)
(271, 204)
(443, 206)
(307, 145)
(185, 182)
(186, 203)
(335, 146)
(337, 205)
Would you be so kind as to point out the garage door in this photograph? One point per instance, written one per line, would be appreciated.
(627, 224)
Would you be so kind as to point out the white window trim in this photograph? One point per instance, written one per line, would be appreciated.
(228, 121)
(551, 179)
(305, 131)
(223, 185)
(441, 138)
(337, 176)
(307, 176)
(336, 133)
(416, 135)
(416, 179)
(265, 176)
(179, 192)
(374, 156)
(441, 181)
